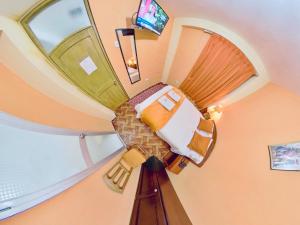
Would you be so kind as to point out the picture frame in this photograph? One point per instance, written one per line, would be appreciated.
(285, 156)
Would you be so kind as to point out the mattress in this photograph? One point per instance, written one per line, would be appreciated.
(180, 128)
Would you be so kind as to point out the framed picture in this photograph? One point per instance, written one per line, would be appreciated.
(285, 156)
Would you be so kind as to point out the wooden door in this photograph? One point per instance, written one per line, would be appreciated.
(65, 32)
(156, 202)
(83, 62)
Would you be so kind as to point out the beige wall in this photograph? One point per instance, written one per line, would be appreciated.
(236, 185)
(19, 99)
(151, 49)
(20, 55)
(190, 45)
(89, 202)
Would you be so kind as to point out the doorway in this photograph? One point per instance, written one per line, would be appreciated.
(66, 34)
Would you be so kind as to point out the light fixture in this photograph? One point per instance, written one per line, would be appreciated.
(132, 63)
(208, 31)
(215, 112)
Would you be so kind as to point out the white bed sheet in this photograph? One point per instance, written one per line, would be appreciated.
(179, 130)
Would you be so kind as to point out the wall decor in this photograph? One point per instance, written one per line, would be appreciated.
(285, 156)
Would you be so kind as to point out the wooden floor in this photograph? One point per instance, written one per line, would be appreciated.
(133, 131)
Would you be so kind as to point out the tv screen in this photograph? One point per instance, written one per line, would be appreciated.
(151, 16)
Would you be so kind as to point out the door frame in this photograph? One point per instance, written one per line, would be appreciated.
(35, 9)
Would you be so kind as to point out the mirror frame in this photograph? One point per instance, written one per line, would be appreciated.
(128, 32)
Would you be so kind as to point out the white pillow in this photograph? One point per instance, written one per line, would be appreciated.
(139, 108)
(204, 133)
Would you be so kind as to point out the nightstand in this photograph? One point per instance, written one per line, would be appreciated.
(175, 163)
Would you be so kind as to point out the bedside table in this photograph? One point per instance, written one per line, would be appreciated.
(175, 163)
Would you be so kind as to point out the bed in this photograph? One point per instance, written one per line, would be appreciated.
(176, 128)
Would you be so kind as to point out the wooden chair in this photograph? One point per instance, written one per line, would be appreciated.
(117, 177)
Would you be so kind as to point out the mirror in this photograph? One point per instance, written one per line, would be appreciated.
(126, 40)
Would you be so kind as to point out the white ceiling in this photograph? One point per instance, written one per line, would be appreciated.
(15, 8)
(272, 27)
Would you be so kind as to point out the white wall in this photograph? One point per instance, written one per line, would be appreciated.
(246, 89)
(32, 170)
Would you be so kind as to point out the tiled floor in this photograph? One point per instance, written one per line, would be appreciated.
(133, 131)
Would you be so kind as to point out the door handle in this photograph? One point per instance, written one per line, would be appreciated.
(148, 195)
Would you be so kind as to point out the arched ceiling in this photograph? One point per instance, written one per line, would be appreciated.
(270, 26)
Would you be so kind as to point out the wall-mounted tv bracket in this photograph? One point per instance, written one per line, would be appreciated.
(133, 22)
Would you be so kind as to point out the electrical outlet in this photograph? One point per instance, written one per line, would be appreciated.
(117, 45)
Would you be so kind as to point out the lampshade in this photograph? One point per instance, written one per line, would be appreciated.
(215, 112)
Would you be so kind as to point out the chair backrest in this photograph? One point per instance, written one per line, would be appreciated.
(117, 177)
(134, 157)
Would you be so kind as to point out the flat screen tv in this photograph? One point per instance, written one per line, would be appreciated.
(151, 16)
